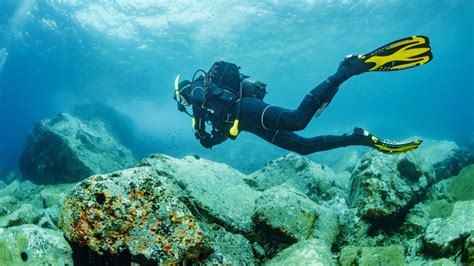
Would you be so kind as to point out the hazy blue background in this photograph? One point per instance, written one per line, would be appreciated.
(55, 55)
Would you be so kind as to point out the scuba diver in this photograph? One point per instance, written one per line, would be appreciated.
(232, 102)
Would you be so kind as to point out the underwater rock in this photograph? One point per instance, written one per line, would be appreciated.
(388, 256)
(135, 211)
(7, 205)
(21, 190)
(383, 187)
(284, 216)
(55, 195)
(445, 237)
(213, 189)
(422, 213)
(469, 249)
(66, 149)
(317, 181)
(32, 245)
(47, 222)
(446, 157)
(229, 249)
(26, 214)
(307, 252)
(461, 187)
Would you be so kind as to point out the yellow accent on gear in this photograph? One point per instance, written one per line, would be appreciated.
(234, 131)
(403, 54)
(193, 122)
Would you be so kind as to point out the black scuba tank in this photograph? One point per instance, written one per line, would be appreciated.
(252, 87)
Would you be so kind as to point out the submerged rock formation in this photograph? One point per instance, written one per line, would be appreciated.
(31, 245)
(135, 210)
(317, 181)
(384, 187)
(307, 252)
(66, 149)
(284, 216)
(445, 237)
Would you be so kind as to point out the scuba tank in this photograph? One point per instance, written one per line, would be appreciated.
(252, 87)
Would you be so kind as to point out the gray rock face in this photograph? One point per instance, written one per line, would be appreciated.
(307, 252)
(65, 149)
(229, 249)
(25, 214)
(290, 216)
(317, 181)
(8, 204)
(134, 209)
(32, 245)
(389, 255)
(383, 187)
(446, 157)
(216, 190)
(445, 237)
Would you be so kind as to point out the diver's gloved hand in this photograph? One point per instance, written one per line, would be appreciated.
(353, 65)
(367, 139)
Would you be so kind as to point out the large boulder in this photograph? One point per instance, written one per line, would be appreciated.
(32, 245)
(389, 256)
(213, 189)
(8, 204)
(135, 210)
(66, 149)
(317, 181)
(284, 216)
(446, 157)
(307, 252)
(384, 187)
(445, 237)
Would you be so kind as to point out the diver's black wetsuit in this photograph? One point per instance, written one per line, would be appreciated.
(275, 124)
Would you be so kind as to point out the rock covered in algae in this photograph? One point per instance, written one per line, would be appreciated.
(383, 187)
(290, 216)
(315, 180)
(445, 237)
(31, 245)
(215, 189)
(389, 256)
(66, 149)
(307, 252)
(136, 210)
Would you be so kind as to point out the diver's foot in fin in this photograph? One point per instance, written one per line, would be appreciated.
(384, 146)
(354, 65)
(402, 54)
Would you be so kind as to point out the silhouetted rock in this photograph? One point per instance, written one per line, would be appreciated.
(135, 210)
(383, 187)
(445, 237)
(66, 149)
(307, 252)
(317, 181)
(469, 249)
(33, 245)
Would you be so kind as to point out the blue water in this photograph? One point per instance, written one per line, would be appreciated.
(56, 55)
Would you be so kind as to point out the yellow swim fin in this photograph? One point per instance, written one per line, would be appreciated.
(405, 53)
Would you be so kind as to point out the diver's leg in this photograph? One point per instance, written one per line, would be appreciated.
(314, 102)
